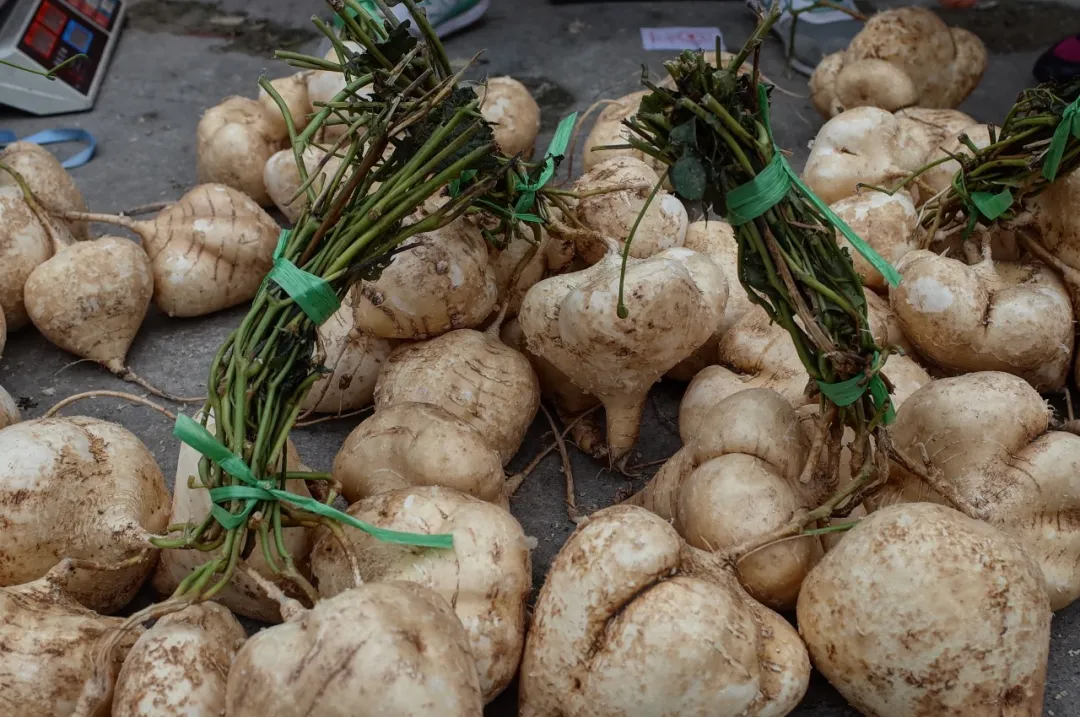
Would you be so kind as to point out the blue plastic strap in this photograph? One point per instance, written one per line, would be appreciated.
(56, 136)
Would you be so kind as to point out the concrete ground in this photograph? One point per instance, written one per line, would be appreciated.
(178, 57)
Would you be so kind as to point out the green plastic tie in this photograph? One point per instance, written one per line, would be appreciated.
(195, 435)
(1070, 124)
(990, 205)
(311, 293)
(845, 393)
(556, 150)
(763, 192)
(369, 7)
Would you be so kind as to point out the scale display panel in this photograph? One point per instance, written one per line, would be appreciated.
(42, 34)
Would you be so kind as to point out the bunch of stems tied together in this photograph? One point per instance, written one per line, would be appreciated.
(1037, 144)
(713, 132)
(412, 131)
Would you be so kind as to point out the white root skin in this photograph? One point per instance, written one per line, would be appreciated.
(282, 178)
(443, 283)
(293, 90)
(748, 452)
(418, 444)
(354, 360)
(866, 145)
(888, 223)
(9, 411)
(324, 86)
(939, 178)
(613, 213)
(554, 384)
(988, 433)
(3, 331)
(674, 299)
(376, 650)
(716, 240)
(180, 665)
(80, 488)
(550, 256)
(24, 244)
(232, 143)
(210, 250)
(901, 58)
(48, 180)
(932, 128)
(47, 645)
(514, 114)
(933, 588)
(486, 578)
(242, 595)
(626, 625)
(472, 375)
(91, 297)
(609, 130)
(755, 353)
(993, 316)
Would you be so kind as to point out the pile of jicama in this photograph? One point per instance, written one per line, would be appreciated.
(397, 582)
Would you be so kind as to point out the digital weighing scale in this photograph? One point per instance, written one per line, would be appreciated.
(40, 34)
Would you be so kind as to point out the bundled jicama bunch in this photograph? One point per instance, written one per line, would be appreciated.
(905, 57)
(894, 615)
(632, 620)
(486, 578)
(84, 489)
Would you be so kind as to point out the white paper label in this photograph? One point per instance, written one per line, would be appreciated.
(819, 15)
(680, 38)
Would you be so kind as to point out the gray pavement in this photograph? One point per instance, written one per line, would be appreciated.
(179, 57)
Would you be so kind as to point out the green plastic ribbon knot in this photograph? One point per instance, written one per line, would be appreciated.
(845, 393)
(1070, 124)
(556, 150)
(749, 201)
(311, 293)
(255, 491)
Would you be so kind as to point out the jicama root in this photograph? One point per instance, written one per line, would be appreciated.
(901, 58)
(9, 411)
(232, 144)
(282, 178)
(375, 650)
(418, 444)
(945, 587)
(80, 488)
(486, 578)
(609, 130)
(354, 360)
(180, 665)
(996, 316)
(90, 299)
(661, 618)
(887, 222)
(749, 451)
(49, 642)
(209, 251)
(293, 90)
(472, 375)
(443, 282)
(24, 244)
(987, 436)
(47, 179)
(513, 113)
(614, 214)
(674, 300)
